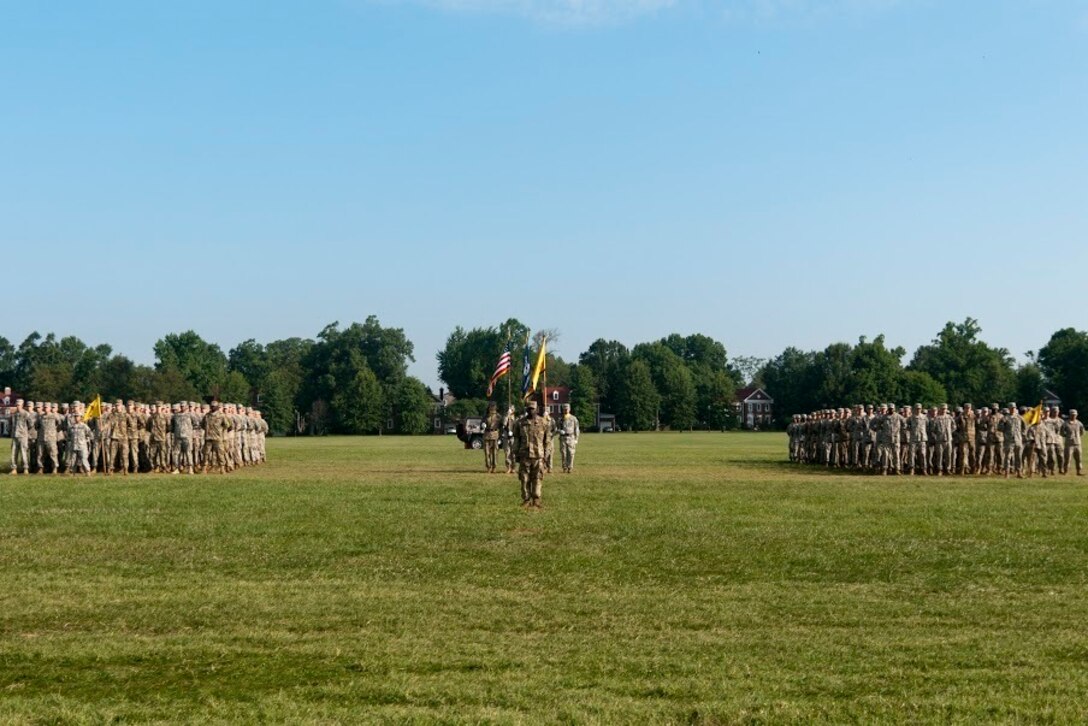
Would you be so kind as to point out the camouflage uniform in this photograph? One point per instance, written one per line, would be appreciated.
(530, 435)
(49, 425)
(508, 423)
(569, 432)
(217, 430)
(158, 426)
(79, 440)
(492, 429)
(1013, 428)
(919, 438)
(182, 428)
(944, 427)
(20, 441)
(1072, 431)
(1055, 460)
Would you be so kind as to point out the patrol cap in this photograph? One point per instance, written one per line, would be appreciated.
(995, 406)
(1012, 405)
(918, 406)
(1072, 412)
(531, 404)
(967, 405)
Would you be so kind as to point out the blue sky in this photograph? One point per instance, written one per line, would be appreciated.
(768, 172)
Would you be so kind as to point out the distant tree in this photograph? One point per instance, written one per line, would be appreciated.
(201, 363)
(467, 361)
(583, 395)
(1030, 385)
(412, 407)
(714, 393)
(607, 360)
(749, 370)
(638, 401)
(7, 363)
(1064, 362)
(340, 367)
(876, 372)
(919, 387)
(790, 380)
(678, 398)
(359, 406)
(968, 368)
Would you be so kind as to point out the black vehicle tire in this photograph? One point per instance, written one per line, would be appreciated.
(477, 442)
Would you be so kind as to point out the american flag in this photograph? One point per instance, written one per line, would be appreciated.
(500, 370)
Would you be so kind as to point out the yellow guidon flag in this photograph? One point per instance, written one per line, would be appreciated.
(1034, 415)
(94, 410)
(540, 367)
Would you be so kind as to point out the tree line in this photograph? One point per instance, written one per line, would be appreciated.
(956, 367)
(354, 379)
(350, 380)
(678, 382)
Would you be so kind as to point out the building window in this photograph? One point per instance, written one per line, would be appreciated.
(555, 395)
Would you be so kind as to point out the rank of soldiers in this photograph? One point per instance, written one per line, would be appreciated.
(129, 438)
(889, 440)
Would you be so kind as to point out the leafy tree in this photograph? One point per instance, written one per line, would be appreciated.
(359, 405)
(201, 363)
(678, 398)
(919, 387)
(583, 395)
(339, 369)
(714, 394)
(791, 382)
(607, 360)
(412, 407)
(637, 399)
(1064, 362)
(1030, 385)
(747, 370)
(876, 372)
(467, 361)
(7, 363)
(968, 368)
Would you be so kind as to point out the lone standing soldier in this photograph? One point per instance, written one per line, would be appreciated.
(492, 428)
(530, 433)
(568, 438)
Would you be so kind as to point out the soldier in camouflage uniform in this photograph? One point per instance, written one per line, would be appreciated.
(530, 434)
(568, 438)
(1055, 460)
(1013, 428)
(508, 422)
(20, 439)
(1072, 431)
(944, 427)
(182, 428)
(79, 440)
(918, 424)
(492, 430)
(996, 439)
(132, 447)
(49, 425)
(217, 430)
(549, 442)
(968, 463)
(158, 426)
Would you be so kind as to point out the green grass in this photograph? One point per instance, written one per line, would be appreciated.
(675, 578)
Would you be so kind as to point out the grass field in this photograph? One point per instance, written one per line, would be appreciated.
(681, 578)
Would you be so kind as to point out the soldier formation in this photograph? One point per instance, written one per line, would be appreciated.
(889, 440)
(130, 438)
(528, 441)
